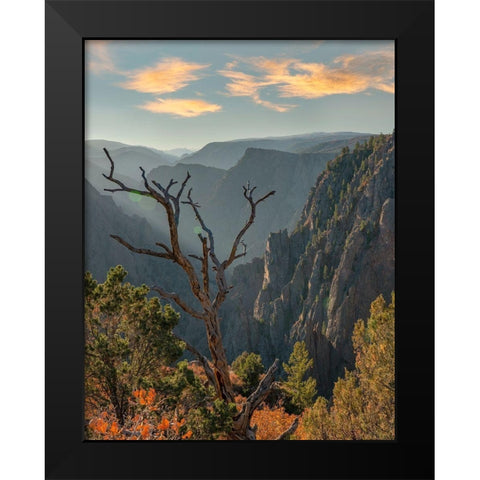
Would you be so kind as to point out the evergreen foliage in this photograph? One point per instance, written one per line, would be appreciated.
(363, 403)
(128, 338)
(300, 391)
(249, 367)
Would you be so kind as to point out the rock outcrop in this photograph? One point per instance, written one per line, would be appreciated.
(319, 280)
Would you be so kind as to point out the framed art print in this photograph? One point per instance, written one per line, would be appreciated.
(239, 239)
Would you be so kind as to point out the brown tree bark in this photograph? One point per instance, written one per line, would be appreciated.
(217, 369)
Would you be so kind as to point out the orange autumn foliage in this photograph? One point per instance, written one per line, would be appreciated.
(163, 425)
(144, 425)
(145, 431)
(198, 370)
(114, 428)
(144, 397)
(271, 422)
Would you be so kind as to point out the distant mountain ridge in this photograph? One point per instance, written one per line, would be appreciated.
(128, 153)
(179, 152)
(227, 154)
(223, 155)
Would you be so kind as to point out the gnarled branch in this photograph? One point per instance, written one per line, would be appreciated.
(205, 251)
(175, 200)
(220, 277)
(201, 358)
(264, 387)
(211, 240)
(291, 429)
(165, 247)
(172, 209)
(184, 306)
(242, 420)
(123, 187)
(248, 194)
(142, 251)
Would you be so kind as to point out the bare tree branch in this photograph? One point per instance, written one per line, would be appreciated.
(242, 420)
(123, 187)
(165, 247)
(248, 194)
(195, 206)
(142, 251)
(172, 209)
(176, 200)
(220, 276)
(164, 200)
(205, 251)
(201, 358)
(291, 429)
(264, 387)
(181, 303)
(179, 194)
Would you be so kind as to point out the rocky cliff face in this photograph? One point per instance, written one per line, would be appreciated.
(318, 281)
(290, 175)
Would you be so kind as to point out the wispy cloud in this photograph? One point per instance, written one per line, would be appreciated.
(267, 82)
(245, 85)
(181, 107)
(291, 77)
(317, 80)
(99, 58)
(167, 76)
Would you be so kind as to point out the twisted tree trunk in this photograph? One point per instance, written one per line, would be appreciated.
(223, 384)
(217, 369)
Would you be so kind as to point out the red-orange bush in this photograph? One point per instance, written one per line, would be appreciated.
(146, 424)
(271, 422)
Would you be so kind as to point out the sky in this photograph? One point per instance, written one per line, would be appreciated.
(186, 93)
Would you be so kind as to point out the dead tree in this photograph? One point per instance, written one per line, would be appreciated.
(216, 370)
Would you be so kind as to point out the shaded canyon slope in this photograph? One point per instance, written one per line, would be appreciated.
(142, 222)
(217, 190)
(220, 194)
(290, 175)
(316, 282)
(103, 217)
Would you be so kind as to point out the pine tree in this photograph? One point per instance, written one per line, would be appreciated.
(301, 392)
(128, 338)
(249, 367)
(363, 402)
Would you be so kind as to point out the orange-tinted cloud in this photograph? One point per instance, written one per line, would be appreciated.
(386, 87)
(181, 107)
(245, 85)
(272, 66)
(272, 106)
(99, 59)
(167, 76)
(317, 80)
(349, 74)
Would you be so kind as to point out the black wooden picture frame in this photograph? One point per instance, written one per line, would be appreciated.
(410, 24)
